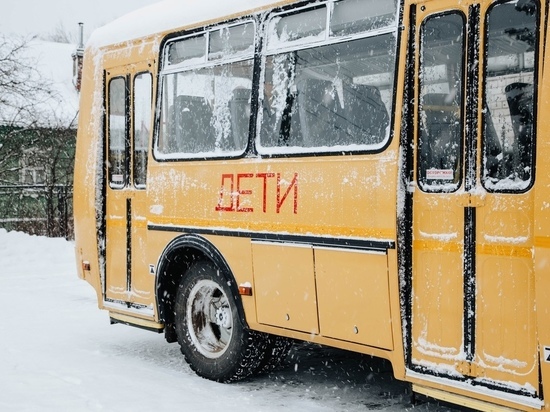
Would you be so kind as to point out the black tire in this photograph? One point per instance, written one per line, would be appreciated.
(277, 349)
(210, 332)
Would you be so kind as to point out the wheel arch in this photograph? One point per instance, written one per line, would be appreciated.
(175, 260)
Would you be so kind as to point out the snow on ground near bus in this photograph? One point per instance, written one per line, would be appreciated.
(59, 353)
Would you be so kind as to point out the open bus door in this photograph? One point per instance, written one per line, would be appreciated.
(472, 277)
(128, 119)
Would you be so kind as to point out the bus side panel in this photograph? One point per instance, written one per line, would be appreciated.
(285, 286)
(244, 200)
(341, 197)
(353, 293)
(86, 180)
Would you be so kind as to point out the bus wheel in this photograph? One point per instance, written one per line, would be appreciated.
(212, 337)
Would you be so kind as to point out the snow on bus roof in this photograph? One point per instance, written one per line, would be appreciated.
(169, 15)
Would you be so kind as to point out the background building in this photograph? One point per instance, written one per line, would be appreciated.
(38, 120)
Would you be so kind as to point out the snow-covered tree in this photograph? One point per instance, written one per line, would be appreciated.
(36, 140)
(22, 88)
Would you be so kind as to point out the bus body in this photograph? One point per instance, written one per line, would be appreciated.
(364, 174)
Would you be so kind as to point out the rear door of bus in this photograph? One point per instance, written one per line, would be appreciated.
(472, 276)
(128, 125)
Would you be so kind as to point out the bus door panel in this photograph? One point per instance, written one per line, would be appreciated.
(142, 281)
(505, 334)
(437, 281)
(472, 299)
(505, 338)
(437, 311)
(116, 274)
(117, 146)
(129, 97)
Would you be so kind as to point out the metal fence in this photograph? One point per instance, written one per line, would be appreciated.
(37, 209)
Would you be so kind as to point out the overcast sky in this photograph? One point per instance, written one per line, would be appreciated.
(29, 17)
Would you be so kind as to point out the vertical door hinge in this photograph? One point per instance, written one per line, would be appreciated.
(471, 199)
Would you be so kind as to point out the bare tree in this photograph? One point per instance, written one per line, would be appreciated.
(26, 99)
(60, 35)
(22, 88)
(54, 153)
(32, 135)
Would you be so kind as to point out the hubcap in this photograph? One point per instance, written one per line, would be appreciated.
(209, 319)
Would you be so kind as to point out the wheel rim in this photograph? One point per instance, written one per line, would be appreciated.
(209, 319)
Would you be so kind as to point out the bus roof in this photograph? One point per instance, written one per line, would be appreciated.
(170, 15)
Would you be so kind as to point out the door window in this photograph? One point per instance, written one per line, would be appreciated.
(118, 133)
(509, 116)
(441, 98)
(142, 126)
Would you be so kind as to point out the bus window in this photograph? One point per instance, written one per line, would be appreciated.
(118, 133)
(231, 41)
(348, 17)
(186, 52)
(440, 110)
(143, 84)
(508, 140)
(332, 97)
(295, 28)
(205, 109)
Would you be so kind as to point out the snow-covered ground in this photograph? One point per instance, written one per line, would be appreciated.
(59, 353)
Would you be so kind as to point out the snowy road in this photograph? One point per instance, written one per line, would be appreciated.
(59, 353)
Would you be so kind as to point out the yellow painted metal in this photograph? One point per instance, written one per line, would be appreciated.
(316, 202)
(116, 271)
(284, 289)
(353, 296)
(474, 404)
(506, 343)
(437, 281)
(142, 280)
(136, 321)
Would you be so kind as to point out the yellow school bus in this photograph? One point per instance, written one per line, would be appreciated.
(372, 175)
